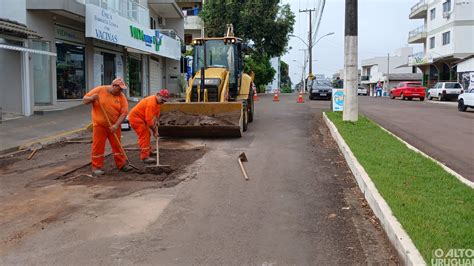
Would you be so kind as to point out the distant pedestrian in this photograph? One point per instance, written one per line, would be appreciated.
(378, 90)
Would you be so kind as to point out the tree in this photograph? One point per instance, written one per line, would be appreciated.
(285, 81)
(261, 66)
(265, 23)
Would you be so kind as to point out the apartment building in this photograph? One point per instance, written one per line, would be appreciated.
(388, 70)
(193, 24)
(446, 32)
(54, 51)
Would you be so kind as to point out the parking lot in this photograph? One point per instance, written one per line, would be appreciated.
(436, 128)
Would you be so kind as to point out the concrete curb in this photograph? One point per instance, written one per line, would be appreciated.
(66, 135)
(447, 169)
(401, 241)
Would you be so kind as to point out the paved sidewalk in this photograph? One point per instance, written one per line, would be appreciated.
(23, 131)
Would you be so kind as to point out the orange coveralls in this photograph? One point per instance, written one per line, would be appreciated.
(141, 119)
(114, 106)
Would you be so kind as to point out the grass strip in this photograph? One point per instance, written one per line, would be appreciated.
(434, 208)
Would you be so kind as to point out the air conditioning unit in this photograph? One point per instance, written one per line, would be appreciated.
(161, 21)
(446, 14)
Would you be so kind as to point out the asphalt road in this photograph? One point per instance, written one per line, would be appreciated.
(301, 206)
(438, 129)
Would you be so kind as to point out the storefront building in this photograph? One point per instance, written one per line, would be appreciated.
(67, 50)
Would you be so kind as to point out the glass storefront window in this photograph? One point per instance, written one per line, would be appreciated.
(42, 74)
(70, 71)
(134, 79)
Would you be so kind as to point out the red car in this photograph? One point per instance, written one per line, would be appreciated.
(408, 90)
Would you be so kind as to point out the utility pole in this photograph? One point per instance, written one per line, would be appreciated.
(310, 39)
(351, 78)
(388, 73)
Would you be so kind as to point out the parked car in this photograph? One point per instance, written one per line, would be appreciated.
(321, 89)
(445, 91)
(408, 90)
(466, 100)
(362, 91)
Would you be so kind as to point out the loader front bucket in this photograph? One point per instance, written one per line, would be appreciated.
(201, 120)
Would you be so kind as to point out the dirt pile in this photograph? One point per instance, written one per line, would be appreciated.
(177, 118)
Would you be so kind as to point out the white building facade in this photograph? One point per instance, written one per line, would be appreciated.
(85, 43)
(388, 70)
(447, 35)
(275, 84)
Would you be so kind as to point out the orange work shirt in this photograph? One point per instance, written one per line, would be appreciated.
(146, 110)
(114, 106)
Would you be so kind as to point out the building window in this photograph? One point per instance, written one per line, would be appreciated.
(152, 23)
(432, 42)
(447, 6)
(70, 71)
(188, 38)
(413, 69)
(446, 38)
(432, 13)
(42, 82)
(134, 75)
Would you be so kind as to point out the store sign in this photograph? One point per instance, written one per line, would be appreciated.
(420, 59)
(156, 40)
(110, 27)
(337, 100)
(69, 34)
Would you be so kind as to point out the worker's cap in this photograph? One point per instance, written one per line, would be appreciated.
(164, 94)
(119, 82)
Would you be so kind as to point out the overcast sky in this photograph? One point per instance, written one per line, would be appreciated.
(383, 27)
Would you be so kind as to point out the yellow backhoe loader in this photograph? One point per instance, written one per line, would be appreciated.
(219, 96)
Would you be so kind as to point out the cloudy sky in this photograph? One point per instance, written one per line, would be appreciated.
(383, 27)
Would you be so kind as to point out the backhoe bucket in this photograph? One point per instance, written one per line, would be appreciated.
(201, 119)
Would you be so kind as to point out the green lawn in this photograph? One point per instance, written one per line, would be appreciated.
(434, 207)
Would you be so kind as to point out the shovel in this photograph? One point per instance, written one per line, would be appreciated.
(158, 168)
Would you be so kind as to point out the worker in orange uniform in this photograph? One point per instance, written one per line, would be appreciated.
(115, 105)
(142, 119)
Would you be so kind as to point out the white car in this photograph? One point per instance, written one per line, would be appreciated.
(361, 91)
(445, 90)
(466, 100)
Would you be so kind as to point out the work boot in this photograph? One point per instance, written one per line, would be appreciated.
(126, 168)
(149, 160)
(98, 172)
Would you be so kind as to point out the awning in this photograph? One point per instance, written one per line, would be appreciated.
(17, 29)
(22, 49)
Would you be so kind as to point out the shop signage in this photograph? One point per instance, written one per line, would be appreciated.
(138, 34)
(68, 34)
(337, 100)
(110, 27)
(420, 59)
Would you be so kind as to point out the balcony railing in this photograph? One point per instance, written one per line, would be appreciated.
(418, 5)
(416, 32)
(172, 34)
(129, 9)
(419, 10)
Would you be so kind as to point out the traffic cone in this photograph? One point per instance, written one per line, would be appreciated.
(255, 98)
(300, 98)
(275, 97)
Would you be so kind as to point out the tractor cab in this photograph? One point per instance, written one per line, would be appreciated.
(219, 60)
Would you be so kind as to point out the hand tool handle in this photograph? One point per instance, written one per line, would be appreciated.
(110, 124)
(157, 153)
(243, 170)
